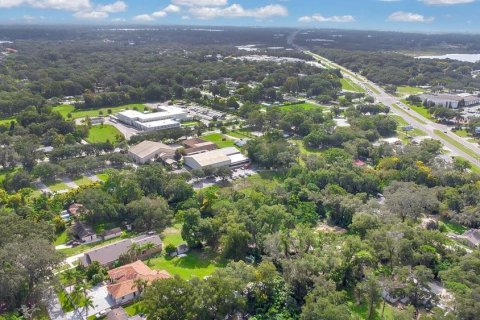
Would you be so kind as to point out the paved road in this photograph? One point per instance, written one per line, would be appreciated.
(398, 108)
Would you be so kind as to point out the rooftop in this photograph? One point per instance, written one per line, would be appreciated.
(146, 148)
(209, 158)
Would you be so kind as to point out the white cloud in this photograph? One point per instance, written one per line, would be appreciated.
(118, 6)
(68, 5)
(143, 18)
(237, 11)
(171, 8)
(320, 18)
(159, 14)
(446, 2)
(401, 16)
(90, 15)
(200, 3)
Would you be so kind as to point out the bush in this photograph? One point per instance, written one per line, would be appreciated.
(170, 249)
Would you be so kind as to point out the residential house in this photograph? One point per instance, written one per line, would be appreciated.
(112, 233)
(75, 209)
(109, 254)
(83, 232)
(124, 286)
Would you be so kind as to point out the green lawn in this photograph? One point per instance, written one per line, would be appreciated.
(462, 133)
(408, 90)
(65, 109)
(172, 235)
(349, 85)
(453, 227)
(457, 144)
(135, 308)
(399, 120)
(103, 133)
(301, 106)
(196, 264)
(190, 123)
(57, 186)
(61, 238)
(7, 121)
(219, 139)
(305, 150)
(83, 181)
(102, 176)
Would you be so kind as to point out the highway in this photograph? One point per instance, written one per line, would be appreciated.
(441, 132)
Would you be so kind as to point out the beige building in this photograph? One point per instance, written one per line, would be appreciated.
(147, 151)
(210, 159)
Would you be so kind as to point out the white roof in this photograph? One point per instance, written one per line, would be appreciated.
(158, 123)
(229, 151)
(171, 112)
(209, 158)
(238, 158)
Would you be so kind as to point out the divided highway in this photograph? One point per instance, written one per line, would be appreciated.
(457, 145)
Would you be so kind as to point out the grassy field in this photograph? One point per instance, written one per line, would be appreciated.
(103, 133)
(190, 123)
(134, 308)
(195, 264)
(460, 146)
(219, 139)
(453, 227)
(7, 121)
(305, 150)
(66, 109)
(83, 181)
(408, 90)
(57, 186)
(348, 84)
(303, 106)
(61, 238)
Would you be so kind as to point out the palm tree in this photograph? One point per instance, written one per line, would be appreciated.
(70, 276)
(140, 284)
(87, 303)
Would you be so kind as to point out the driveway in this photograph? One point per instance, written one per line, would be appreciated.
(101, 300)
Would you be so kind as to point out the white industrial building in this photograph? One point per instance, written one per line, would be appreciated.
(163, 118)
(453, 101)
(147, 151)
(226, 157)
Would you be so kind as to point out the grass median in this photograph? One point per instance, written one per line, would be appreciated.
(457, 144)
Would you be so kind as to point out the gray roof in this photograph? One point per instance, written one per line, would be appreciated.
(209, 158)
(146, 148)
(110, 253)
(111, 232)
(81, 229)
(117, 314)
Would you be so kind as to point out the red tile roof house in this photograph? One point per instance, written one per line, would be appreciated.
(123, 287)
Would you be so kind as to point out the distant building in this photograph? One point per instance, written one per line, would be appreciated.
(147, 151)
(123, 287)
(226, 157)
(109, 254)
(452, 101)
(112, 233)
(164, 118)
(197, 145)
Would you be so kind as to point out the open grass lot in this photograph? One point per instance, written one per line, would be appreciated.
(399, 120)
(57, 186)
(102, 176)
(66, 109)
(195, 264)
(303, 106)
(7, 121)
(473, 168)
(83, 181)
(61, 238)
(103, 133)
(457, 144)
(306, 150)
(190, 123)
(347, 84)
(134, 308)
(453, 227)
(219, 139)
(408, 90)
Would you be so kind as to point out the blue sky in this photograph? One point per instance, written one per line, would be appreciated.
(401, 15)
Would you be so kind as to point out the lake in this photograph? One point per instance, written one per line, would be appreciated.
(465, 57)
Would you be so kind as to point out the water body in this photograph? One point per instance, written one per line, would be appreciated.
(464, 57)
